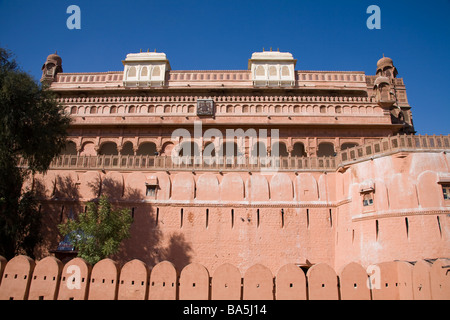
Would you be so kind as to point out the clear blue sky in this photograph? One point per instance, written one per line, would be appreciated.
(211, 34)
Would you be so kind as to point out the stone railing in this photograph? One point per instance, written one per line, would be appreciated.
(385, 146)
(111, 76)
(131, 162)
(393, 144)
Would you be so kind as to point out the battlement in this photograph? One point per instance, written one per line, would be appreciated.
(307, 79)
(49, 279)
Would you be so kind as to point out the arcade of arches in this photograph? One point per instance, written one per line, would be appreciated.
(191, 148)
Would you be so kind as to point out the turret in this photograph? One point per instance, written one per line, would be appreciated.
(383, 86)
(51, 67)
(386, 92)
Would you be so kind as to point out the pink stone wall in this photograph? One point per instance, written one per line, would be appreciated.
(409, 217)
(353, 283)
(392, 280)
(133, 283)
(233, 217)
(46, 277)
(16, 280)
(75, 280)
(163, 282)
(104, 280)
(290, 283)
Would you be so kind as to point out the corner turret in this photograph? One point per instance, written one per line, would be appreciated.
(51, 67)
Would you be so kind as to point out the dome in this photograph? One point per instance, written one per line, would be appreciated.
(385, 61)
(55, 59)
(381, 80)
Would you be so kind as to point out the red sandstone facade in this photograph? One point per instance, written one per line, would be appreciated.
(348, 180)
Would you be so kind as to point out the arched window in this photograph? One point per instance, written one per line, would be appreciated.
(279, 150)
(144, 72)
(272, 72)
(88, 149)
(298, 150)
(108, 148)
(113, 109)
(259, 150)
(326, 149)
(285, 72)
(69, 149)
(132, 71)
(156, 72)
(146, 149)
(189, 149)
(260, 72)
(127, 149)
(210, 145)
(228, 149)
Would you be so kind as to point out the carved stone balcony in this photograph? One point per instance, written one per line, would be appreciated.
(386, 146)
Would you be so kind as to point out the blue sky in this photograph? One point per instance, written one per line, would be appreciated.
(211, 34)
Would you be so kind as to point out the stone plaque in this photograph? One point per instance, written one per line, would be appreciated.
(205, 107)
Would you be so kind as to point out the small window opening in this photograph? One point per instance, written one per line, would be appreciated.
(368, 199)
(307, 218)
(446, 191)
(407, 227)
(376, 229)
(257, 217)
(181, 218)
(439, 225)
(150, 190)
(331, 218)
(232, 218)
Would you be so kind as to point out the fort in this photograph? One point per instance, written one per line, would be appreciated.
(341, 179)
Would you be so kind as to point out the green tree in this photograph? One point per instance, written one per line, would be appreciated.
(98, 232)
(33, 130)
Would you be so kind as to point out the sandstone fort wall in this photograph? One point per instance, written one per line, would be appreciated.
(48, 279)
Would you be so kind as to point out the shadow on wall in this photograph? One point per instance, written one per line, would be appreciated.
(178, 251)
(146, 242)
(64, 189)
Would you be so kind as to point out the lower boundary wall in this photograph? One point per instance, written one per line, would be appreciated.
(23, 278)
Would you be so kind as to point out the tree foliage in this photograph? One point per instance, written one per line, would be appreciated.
(98, 232)
(33, 127)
